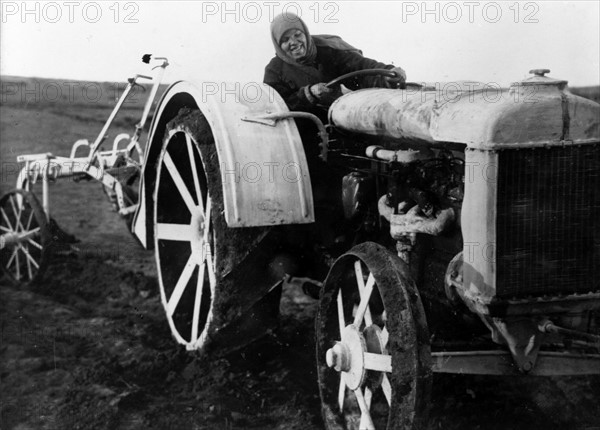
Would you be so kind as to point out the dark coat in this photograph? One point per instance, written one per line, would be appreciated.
(289, 81)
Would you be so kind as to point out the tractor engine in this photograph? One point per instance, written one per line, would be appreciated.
(505, 182)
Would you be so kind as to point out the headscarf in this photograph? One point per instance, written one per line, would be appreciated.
(307, 64)
(285, 22)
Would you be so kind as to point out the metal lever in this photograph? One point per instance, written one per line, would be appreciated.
(131, 83)
(271, 118)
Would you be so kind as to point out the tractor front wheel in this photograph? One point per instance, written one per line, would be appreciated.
(373, 352)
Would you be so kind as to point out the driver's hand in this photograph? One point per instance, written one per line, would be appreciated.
(323, 93)
(320, 91)
(398, 81)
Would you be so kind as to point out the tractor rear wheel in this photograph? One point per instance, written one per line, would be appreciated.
(24, 237)
(214, 280)
(373, 352)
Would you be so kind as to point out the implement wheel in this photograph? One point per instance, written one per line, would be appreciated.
(214, 280)
(373, 352)
(24, 237)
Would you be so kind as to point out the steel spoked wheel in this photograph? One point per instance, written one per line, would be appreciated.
(373, 353)
(209, 275)
(184, 239)
(23, 237)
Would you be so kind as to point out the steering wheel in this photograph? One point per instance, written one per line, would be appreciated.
(365, 72)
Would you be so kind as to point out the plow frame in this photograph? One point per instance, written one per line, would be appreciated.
(97, 164)
(30, 237)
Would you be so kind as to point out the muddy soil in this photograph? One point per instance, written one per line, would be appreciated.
(90, 348)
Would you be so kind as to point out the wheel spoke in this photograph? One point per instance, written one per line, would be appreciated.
(198, 302)
(4, 228)
(378, 362)
(182, 282)
(359, 274)
(7, 221)
(340, 308)
(34, 243)
(29, 257)
(17, 213)
(365, 417)
(180, 232)
(12, 257)
(28, 232)
(18, 264)
(29, 220)
(194, 171)
(368, 398)
(364, 301)
(341, 394)
(387, 389)
(361, 289)
(183, 190)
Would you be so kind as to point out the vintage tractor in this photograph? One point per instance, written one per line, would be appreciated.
(456, 230)
(469, 232)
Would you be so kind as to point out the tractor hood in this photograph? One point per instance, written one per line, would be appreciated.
(538, 111)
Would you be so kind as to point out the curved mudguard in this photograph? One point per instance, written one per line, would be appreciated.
(263, 167)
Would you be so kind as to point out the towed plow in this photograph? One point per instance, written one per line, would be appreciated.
(26, 224)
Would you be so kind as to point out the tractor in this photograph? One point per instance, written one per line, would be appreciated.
(470, 225)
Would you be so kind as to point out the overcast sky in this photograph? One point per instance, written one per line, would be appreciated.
(207, 41)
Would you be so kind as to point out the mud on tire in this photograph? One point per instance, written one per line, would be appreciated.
(214, 280)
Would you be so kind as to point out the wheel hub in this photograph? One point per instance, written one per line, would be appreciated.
(198, 226)
(338, 357)
(347, 357)
(15, 238)
(9, 239)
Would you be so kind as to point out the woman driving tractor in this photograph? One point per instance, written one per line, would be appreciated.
(303, 64)
(299, 73)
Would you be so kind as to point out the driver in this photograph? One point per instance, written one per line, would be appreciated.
(303, 64)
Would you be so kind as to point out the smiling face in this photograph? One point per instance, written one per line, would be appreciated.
(293, 43)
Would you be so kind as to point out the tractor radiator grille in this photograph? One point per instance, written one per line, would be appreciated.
(548, 221)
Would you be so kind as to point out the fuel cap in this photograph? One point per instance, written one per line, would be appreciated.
(539, 78)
